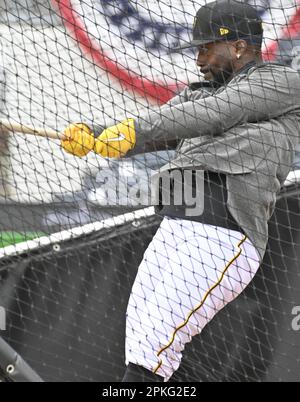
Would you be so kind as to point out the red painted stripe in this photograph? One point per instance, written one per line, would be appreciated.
(129, 80)
(290, 32)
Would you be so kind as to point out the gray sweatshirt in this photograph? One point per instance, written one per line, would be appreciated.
(247, 130)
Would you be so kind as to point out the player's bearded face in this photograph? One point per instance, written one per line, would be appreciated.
(216, 61)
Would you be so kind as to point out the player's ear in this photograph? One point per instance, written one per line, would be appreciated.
(240, 48)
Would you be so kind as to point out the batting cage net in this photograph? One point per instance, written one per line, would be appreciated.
(149, 194)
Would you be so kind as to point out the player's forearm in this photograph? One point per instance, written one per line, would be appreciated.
(169, 125)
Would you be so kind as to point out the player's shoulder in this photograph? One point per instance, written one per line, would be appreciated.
(272, 70)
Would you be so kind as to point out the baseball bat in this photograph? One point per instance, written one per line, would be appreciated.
(24, 129)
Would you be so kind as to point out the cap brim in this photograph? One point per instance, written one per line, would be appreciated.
(194, 43)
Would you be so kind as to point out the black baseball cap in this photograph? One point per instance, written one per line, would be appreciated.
(226, 20)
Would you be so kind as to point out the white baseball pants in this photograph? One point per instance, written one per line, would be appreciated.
(189, 272)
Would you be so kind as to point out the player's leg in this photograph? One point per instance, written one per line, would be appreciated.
(156, 258)
(207, 268)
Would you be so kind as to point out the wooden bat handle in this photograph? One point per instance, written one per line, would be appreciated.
(21, 128)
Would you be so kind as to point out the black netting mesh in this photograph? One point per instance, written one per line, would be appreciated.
(91, 278)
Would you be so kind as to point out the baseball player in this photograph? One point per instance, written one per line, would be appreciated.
(239, 127)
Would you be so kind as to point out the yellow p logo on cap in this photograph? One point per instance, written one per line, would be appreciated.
(224, 31)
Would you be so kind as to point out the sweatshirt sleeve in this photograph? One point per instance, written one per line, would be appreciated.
(266, 93)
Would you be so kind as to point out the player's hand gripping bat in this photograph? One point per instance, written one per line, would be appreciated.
(78, 139)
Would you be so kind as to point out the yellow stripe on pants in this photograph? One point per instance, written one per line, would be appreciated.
(201, 304)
